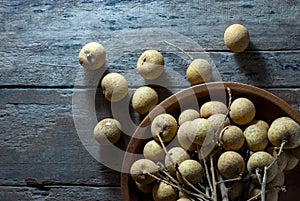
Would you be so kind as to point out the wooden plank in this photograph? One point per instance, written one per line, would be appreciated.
(40, 41)
(263, 69)
(58, 193)
(40, 144)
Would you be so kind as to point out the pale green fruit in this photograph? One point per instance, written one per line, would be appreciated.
(164, 125)
(242, 111)
(150, 64)
(191, 170)
(236, 37)
(164, 192)
(92, 56)
(231, 165)
(199, 71)
(140, 170)
(114, 87)
(107, 131)
(144, 99)
(212, 107)
(284, 128)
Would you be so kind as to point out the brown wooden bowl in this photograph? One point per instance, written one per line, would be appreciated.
(268, 108)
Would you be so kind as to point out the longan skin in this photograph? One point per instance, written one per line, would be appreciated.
(143, 99)
(182, 137)
(92, 56)
(164, 125)
(188, 115)
(256, 138)
(242, 111)
(191, 170)
(232, 138)
(153, 151)
(260, 160)
(281, 160)
(236, 37)
(200, 128)
(284, 128)
(114, 86)
(199, 71)
(235, 190)
(150, 64)
(296, 152)
(145, 188)
(231, 165)
(259, 122)
(178, 155)
(271, 195)
(164, 192)
(277, 181)
(212, 107)
(218, 122)
(107, 131)
(139, 170)
(292, 161)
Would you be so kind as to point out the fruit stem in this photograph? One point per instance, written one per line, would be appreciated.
(206, 169)
(189, 56)
(212, 169)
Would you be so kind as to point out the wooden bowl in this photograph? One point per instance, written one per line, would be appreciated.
(268, 108)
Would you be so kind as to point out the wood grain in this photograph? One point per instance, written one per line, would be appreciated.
(39, 74)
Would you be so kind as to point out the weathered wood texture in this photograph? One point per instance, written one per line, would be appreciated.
(42, 157)
(58, 193)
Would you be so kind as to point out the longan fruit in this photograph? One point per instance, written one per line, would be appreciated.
(114, 86)
(182, 137)
(188, 115)
(281, 160)
(260, 160)
(145, 188)
(260, 123)
(292, 161)
(236, 37)
(143, 99)
(235, 190)
(164, 192)
(271, 194)
(153, 151)
(140, 170)
(107, 131)
(232, 138)
(175, 155)
(199, 71)
(164, 125)
(296, 152)
(92, 56)
(212, 107)
(231, 165)
(284, 128)
(242, 111)
(277, 181)
(256, 137)
(184, 199)
(200, 128)
(191, 170)
(150, 64)
(218, 122)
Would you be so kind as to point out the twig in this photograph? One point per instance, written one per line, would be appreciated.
(263, 185)
(177, 187)
(206, 170)
(258, 175)
(229, 180)
(189, 183)
(224, 190)
(212, 168)
(189, 56)
(278, 154)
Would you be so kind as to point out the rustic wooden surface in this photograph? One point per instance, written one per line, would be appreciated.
(42, 157)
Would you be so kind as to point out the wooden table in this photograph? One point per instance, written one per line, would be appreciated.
(42, 156)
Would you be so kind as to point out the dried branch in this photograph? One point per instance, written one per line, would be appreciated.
(212, 168)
